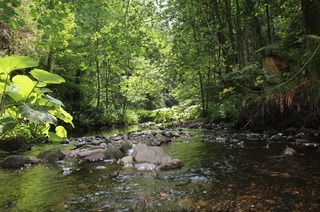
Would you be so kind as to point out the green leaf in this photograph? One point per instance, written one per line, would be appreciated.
(11, 63)
(54, 100)
(6, 124)
(54, 137)
(24, 83)
(46, 77)
(61, 131)
(16, 96)
(62, 114)
(36, 115)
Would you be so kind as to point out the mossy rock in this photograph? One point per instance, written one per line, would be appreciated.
(52, 155)
(113, 153)
(14, 161)
(15, 144)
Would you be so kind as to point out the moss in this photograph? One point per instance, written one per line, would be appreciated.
(113, 153)
(51, 155)
(125, 147)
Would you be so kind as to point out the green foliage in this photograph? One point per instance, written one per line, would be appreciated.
(145, 115)
(130, 117)
(26, 109)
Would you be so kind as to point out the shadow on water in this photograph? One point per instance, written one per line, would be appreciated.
(222, 171)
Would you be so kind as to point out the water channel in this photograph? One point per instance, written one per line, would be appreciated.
(223, 171)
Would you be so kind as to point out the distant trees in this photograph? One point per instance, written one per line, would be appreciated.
(120, 57)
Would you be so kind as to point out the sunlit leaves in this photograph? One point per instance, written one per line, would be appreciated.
(59, 135)
(11, 63)
(60, 113)
(24, 84)
(37, 115)
(46, 77)
(24, 103)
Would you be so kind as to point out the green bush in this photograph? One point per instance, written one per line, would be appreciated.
(130, 117)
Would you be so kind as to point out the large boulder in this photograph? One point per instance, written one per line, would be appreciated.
(147, 158)
(14, 161)
(51, 155)
(149, 154)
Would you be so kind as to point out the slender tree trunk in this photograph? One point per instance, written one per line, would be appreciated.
(269, 24)
(240, 51)
(231, 35)
(221, 37)
(107, 82)
(204, 112)
(98, 83)
(49, 61)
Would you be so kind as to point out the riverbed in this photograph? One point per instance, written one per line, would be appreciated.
(224, 170)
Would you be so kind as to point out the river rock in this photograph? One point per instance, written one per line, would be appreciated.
(113, 153)
(164, 140)
(51, 155)
(94, 156)
(127, 161)
(14, 161)
(15, 144)
(85, 152)
(289, 151)
(172, 164)
(149, 154)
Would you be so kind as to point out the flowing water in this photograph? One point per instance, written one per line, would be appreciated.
(223, 171)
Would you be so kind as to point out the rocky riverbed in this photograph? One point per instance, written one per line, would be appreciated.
(213, 167)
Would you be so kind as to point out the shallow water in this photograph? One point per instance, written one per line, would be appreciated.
(223, 170)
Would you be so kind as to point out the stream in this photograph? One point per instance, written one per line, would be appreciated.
(223, 170)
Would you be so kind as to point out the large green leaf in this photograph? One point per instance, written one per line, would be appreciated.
(36, 115)
(24, 83)
(60, 113)
(54, 100)
(54, 137)
(61, 131)
(11, 63)
(46, 77)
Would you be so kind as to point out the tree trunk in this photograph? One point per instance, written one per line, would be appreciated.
(232, 56)
(311, 16)
(98, 84)
(240, 51)
(49, 61)
(269, 24)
